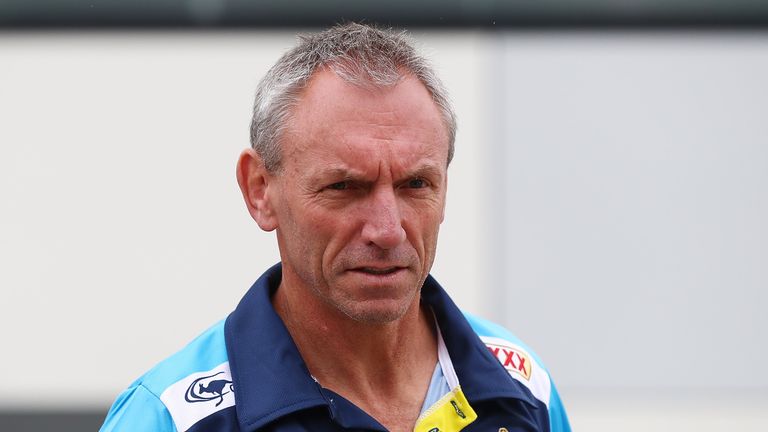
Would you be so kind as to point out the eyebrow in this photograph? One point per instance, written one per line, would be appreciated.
(335, 172)
(425, 170)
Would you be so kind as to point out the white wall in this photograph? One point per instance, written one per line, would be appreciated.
(607, 203)
(123, 231)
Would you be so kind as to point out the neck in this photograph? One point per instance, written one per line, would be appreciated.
(377, 366)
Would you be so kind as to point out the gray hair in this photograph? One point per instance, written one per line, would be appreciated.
(361, 55)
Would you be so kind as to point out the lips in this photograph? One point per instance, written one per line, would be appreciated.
(378, 270)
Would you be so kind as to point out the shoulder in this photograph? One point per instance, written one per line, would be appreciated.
(168, 397)
(523, 364)
(516, 357)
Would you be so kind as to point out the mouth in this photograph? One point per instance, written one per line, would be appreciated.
(378, 271)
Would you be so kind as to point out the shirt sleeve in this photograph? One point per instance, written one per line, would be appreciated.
(138, 409)
(558, 419)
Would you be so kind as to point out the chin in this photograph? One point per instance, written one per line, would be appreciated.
(374, 300)
(375, 311)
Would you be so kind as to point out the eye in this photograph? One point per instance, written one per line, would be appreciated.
(342, 185)
(417, 183)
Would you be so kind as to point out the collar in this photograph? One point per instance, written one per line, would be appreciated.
(271, 379)
(479, 373)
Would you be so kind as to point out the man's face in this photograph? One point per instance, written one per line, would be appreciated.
(361, 195)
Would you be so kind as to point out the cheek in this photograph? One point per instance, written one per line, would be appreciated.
(325, 233)
(298, 228)
(421, 227)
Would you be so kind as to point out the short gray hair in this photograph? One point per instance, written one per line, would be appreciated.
(361, 55)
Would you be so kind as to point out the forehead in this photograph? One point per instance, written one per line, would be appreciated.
(338, 120)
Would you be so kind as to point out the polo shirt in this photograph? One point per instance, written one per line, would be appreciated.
(246, 374)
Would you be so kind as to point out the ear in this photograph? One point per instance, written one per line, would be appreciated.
(255, 181)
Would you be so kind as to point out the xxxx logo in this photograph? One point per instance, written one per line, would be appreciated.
(514, 360)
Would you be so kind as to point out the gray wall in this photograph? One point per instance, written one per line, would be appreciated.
(635, 210)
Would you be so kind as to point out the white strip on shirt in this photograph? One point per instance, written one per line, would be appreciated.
(444, 377)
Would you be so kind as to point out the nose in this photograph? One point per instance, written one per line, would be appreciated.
(383, 220)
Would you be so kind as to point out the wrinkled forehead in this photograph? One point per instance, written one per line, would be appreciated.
(331, 110)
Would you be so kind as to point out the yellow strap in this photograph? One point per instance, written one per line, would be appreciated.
(451, 413)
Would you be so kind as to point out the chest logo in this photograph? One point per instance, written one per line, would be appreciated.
(514, 360)
(208, 388)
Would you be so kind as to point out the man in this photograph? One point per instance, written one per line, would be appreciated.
(352, 136)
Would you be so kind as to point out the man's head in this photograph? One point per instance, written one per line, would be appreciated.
(352, 174)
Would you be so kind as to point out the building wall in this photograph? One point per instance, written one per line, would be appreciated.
(607, 203)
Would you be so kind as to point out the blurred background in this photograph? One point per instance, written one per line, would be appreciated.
(607, 203)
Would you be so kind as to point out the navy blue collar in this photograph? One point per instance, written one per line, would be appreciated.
(271, 379)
